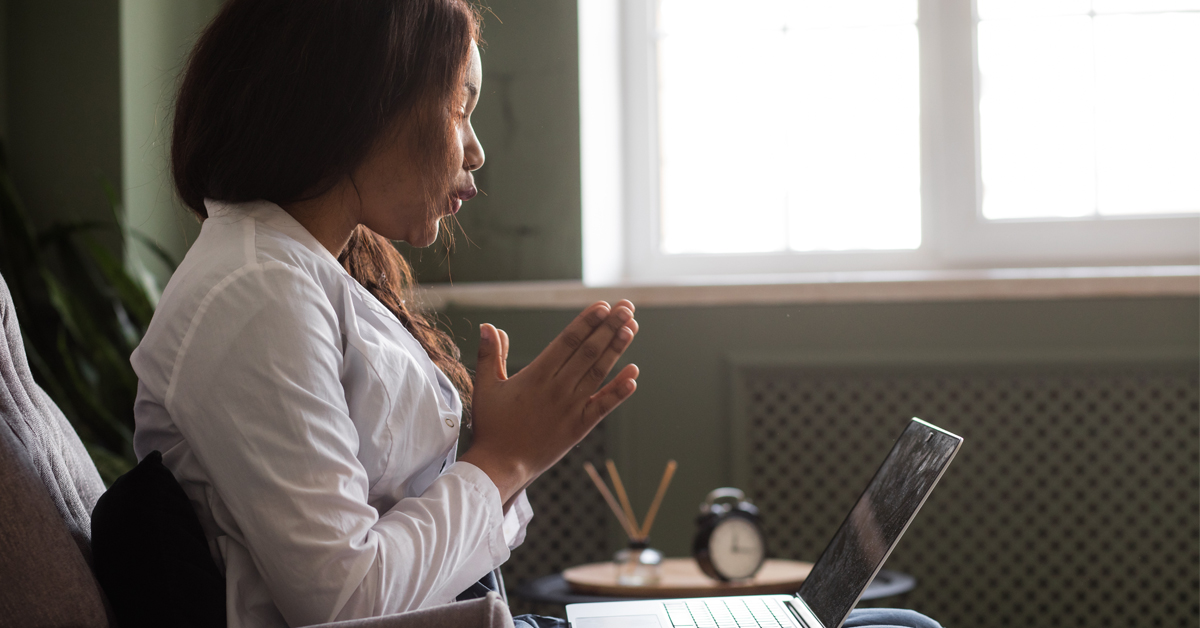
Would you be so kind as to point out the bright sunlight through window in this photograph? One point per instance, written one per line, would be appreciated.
(1089, 107)
(788, 125)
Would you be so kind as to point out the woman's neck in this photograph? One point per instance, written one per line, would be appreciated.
(330, 217)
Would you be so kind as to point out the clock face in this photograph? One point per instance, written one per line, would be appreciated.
(736, 548)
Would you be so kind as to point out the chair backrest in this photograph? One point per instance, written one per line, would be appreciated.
(48, 487)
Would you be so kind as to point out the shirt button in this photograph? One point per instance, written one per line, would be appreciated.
(450, 422)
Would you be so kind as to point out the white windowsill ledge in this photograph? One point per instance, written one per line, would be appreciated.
(847, 287)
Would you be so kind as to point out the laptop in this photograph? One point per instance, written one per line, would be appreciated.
(838, 578)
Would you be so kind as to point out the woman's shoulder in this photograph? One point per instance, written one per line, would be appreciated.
(249, 239)
(247, 261)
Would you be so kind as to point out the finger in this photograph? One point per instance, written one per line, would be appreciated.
(489, 364)
(612, 395)
(503, 354)
(570, 339)
(594, 376)
(589, 353)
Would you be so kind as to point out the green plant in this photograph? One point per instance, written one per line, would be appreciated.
(82, 311)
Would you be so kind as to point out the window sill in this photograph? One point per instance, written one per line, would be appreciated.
(846, 287)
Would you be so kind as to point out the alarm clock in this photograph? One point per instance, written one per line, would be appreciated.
(729, 543)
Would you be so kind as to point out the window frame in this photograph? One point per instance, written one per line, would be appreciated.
(619, 141)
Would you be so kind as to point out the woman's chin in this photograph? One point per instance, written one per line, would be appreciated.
(415, 238)
(427, 237)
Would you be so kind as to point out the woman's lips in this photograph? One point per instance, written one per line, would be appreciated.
(456, 201)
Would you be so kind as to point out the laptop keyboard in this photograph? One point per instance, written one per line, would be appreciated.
(727, 613)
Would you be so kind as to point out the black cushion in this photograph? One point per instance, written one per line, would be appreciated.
(486, 584)
(150, 554)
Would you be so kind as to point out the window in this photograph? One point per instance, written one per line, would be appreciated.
(817, 145)
(784, 136)
(1107, 90)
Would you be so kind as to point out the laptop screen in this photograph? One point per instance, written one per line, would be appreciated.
(867, 537)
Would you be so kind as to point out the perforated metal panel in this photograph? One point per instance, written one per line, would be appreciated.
(1074, 501)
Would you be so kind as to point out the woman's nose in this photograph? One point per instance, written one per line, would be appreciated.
(472, 153)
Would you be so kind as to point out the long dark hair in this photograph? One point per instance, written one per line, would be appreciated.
(282, 99)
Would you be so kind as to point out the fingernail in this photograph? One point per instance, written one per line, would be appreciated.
(624, 313)
(485, 332)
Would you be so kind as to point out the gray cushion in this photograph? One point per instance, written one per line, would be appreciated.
(44, 579)
(48, 486)
(57, 454)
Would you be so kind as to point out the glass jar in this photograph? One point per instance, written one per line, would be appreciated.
(638, 565)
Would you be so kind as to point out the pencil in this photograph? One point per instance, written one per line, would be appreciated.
(621, 494)
(608, 497)
(658, 497)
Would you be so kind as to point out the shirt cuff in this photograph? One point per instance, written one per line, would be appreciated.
(483, 485)
(516, 520)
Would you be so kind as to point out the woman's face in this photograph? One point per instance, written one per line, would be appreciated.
(389, 181)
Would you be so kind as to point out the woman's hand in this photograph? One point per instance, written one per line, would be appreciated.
(525, 423)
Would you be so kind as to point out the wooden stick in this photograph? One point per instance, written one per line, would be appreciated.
(621, 494)
(608, 497)
(658, 497)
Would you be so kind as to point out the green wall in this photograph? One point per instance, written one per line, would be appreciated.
(156, 36)
(4, 69)
(85, 91)
(63, 104)
(525, 224)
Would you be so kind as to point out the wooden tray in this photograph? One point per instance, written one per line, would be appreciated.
(681, 577)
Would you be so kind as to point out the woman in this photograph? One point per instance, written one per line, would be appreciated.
(309, 412)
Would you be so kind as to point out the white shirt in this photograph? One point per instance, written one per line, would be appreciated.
(312, 433)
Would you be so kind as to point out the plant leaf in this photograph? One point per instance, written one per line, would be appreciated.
(129, 291)
(110, 465)
(115, 430)
(61, 302)
(162, 254)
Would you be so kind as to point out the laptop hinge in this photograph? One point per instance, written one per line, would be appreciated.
(791, 606)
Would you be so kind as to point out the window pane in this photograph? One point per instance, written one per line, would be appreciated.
(1091, 114)
(719, 84)
(854, 140)
(1035, 117)
(846, 14)
(1148, 113)
(1144, 6)
(998, 9)
(788, 124)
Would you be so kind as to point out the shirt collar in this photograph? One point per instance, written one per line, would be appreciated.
(273, 216)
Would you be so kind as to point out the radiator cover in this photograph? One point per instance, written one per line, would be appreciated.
(1073, 502)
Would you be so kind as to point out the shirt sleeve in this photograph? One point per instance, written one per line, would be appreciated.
(255, 390)
(516, 520)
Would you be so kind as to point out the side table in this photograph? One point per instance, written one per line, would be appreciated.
(553, 589)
